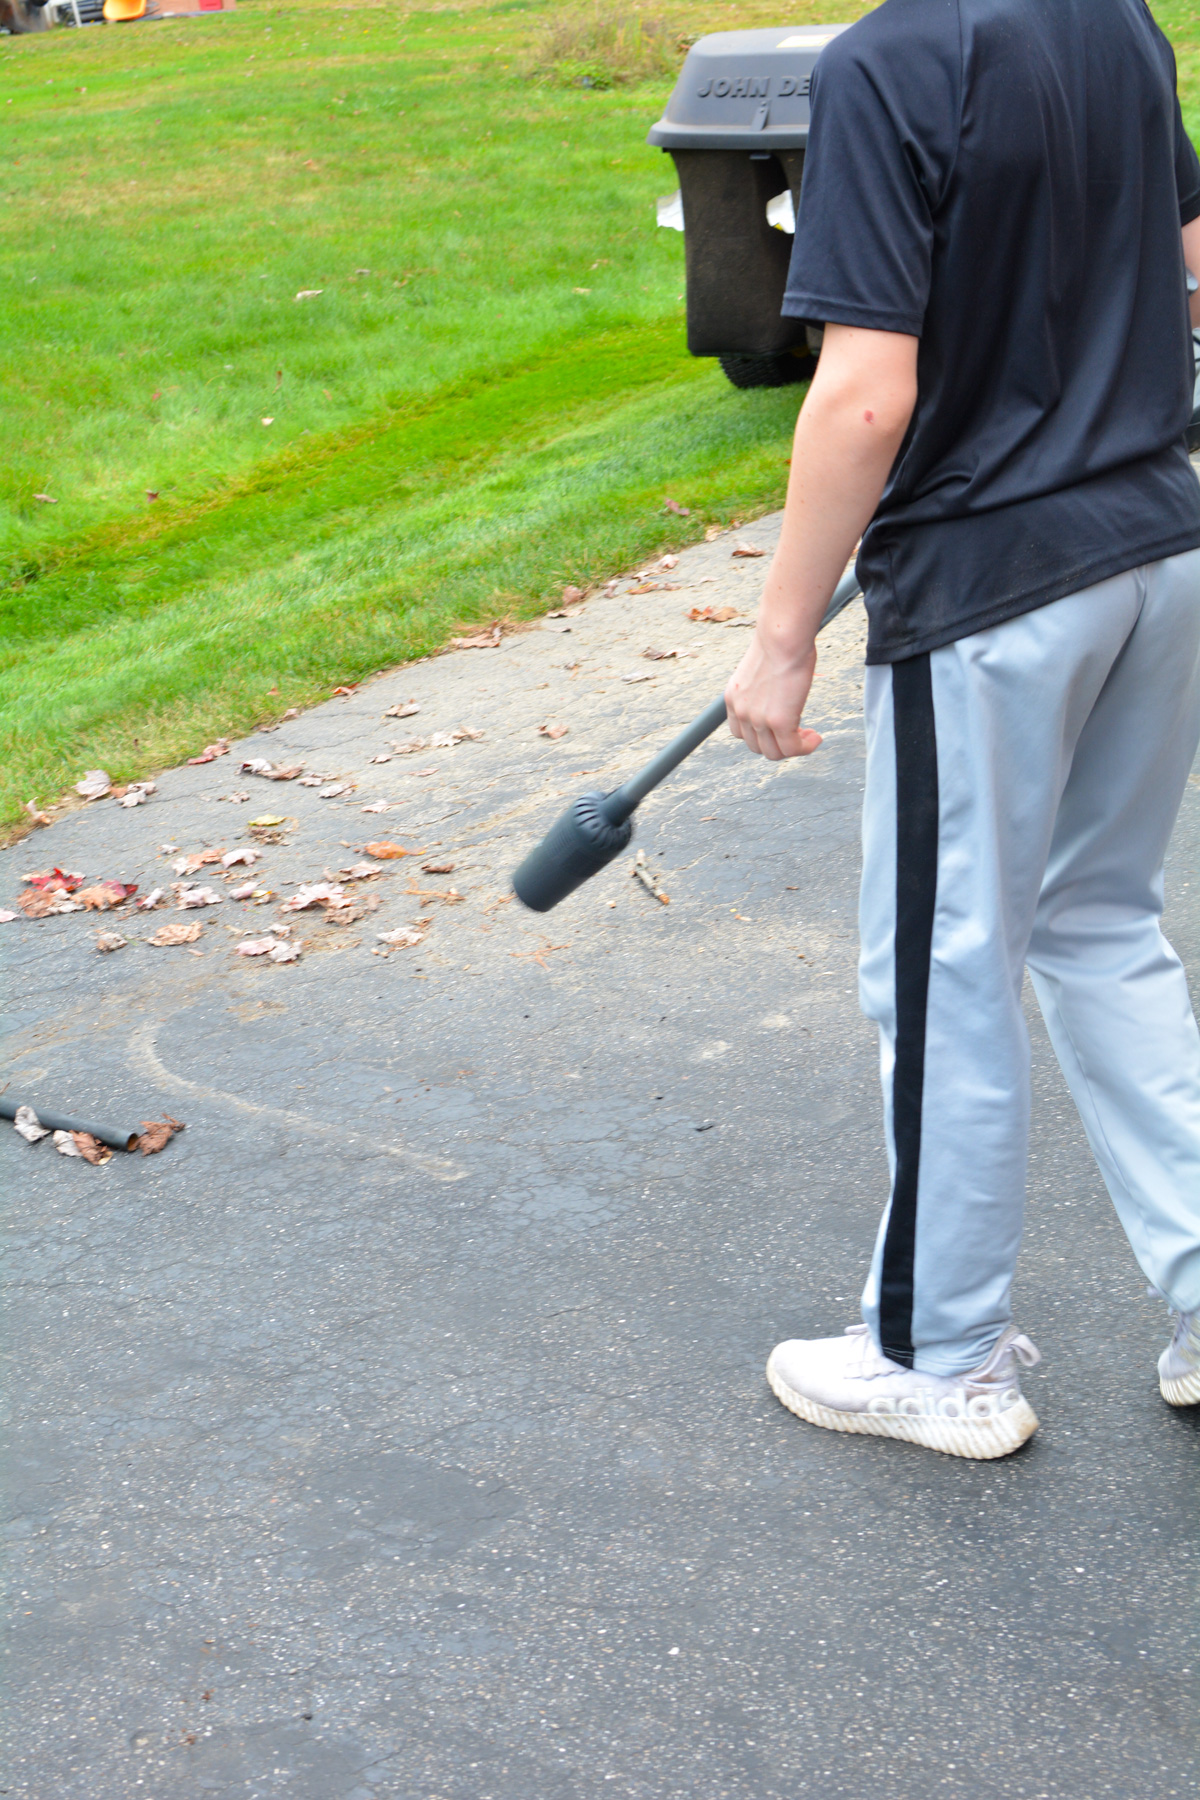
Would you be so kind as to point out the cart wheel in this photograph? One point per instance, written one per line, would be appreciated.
(778, 370)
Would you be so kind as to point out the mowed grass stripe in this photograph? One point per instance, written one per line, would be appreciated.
(198, 635)
(318, 488)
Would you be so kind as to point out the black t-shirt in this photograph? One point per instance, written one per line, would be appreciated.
(1006, 180)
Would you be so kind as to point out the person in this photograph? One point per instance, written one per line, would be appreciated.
(998, 212)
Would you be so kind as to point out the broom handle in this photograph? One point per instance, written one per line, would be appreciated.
(618, 805)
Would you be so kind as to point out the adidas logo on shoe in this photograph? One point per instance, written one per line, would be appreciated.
(846, 1384)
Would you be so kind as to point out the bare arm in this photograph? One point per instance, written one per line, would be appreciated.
(849, 430)
(1191, 260)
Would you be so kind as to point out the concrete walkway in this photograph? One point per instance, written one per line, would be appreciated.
(401, 1429)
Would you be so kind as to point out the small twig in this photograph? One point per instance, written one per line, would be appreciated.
(641, 873)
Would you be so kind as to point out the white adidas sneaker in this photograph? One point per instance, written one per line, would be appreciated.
(1179, 1364)
(846, 1384)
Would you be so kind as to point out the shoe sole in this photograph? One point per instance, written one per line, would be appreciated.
(1182, 1392)
(981, 1439)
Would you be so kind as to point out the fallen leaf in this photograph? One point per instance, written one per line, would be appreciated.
(244, 854)
(36, 816)
(345, 691)
(95, 784)
(166, 935)
(666, 655)
(265, 822)
(46, 499)
(402, 710)
(639, 675)
(334, 789)
(27, 1125)
(255, 946)
(152, 493)
(376, 806)
(268, 421)
(484, 640)
(405, 937)
(571, 594)
(245, 891)
(157, 1132)
(409, 746)
(211, 752)
(258, 765)
(358, 872)
(137, 793)
(108, 941)
(553, 730)
(156, 897)
(82, 1143)
(6, 917)
(673, 506)
(350, 910)
(106, 894)
(420, 772)
(713, 532)
(668, 562)
(36, 905)
(197, 859)
(307, 294)
(234, 799)
(645, 587)
(746, 550)
(55, 881)
(285, 953)
(293, 712)
(384, 852)
(385, 756)
(438, 868)
(187, 896)
(316, 893)
(711, 615)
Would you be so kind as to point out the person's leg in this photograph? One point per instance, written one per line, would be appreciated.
(970, 750)
(1112, 991)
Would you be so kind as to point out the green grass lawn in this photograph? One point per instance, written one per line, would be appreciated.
(489, 397)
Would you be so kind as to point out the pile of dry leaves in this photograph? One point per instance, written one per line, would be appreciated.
(52, 891)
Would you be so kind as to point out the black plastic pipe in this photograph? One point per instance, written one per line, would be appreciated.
(116, 1140)
(597, 827)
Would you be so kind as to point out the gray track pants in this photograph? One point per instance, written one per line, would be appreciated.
(1022, 785)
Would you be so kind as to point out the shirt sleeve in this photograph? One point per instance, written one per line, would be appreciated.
(1187, 172)
(875, 167)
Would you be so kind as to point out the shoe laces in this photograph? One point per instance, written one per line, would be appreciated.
(1187, 1330)
(1187, 1324)
(1010, 1341)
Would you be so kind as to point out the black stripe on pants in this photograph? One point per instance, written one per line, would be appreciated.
(916, 893)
